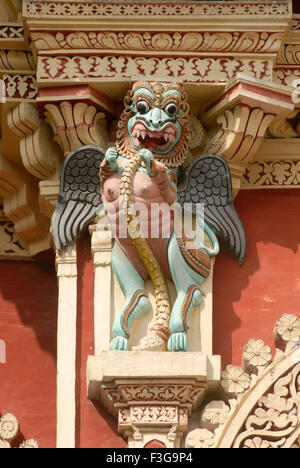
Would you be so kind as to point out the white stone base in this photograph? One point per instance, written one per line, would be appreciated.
(151, 393)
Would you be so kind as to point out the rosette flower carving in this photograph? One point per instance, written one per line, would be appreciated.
(235, 380)
(287, 330)
(256, 355)
(9, 429)
(200, 438)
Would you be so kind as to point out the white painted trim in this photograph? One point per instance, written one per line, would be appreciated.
(66, 348)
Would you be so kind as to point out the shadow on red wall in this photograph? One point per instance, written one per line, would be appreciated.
(95, 427)
(28, 324)
(248, 299)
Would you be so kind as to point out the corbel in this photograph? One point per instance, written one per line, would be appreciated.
(41, 156)
(239, 118)
(20, 202)
(77, 116)
(152, 394)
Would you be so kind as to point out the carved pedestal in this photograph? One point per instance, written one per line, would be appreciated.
(152, 394)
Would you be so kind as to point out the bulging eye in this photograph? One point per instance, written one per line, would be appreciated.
(142, 107)
(171, 109)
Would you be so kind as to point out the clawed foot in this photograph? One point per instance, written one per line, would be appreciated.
(178, 342)
(119, 343)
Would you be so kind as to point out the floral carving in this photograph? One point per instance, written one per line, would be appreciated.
(242, 42)
(235, 380)
(172, 8)
(20, 86)
(276, 415)
(264, 409)
(200, 438)
(287, 329)
(9, 429)
(185, 394)
(269, 174)
(11, 32)
(195, 69)
(256, 354)
(215, 414)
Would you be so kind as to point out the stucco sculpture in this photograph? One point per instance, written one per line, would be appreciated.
(145, 187)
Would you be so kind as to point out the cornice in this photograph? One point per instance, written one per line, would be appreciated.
(141, 16)
(165, 8)
(162, 43)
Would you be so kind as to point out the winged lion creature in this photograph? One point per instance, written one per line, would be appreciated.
(145, 168)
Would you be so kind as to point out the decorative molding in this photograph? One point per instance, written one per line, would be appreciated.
(286, 76)
(20, 87)
(11, 245)
(149, 42)
(242, 131)
(20, 201)
(152, 394)
(40, 156)
(9, 430)
(282, 127)
(289, 55)
(243, 113)
(272, 174)
(16, 60)
(76, 125)
(296, 23)
(11, 32)
(260, 407)
(33, 8)
(66, 69)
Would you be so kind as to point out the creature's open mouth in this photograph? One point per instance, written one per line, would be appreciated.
(159, 140)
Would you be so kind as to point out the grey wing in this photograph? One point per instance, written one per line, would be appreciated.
(79, 198)
(207, 181)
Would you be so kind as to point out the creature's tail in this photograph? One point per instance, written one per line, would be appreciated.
(158, 330)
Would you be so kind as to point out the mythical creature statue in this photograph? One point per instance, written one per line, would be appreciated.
(146, 168)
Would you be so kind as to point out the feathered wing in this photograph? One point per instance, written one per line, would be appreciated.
(208, 181)
(79, 198)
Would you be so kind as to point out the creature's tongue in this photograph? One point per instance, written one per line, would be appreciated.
(152, 143)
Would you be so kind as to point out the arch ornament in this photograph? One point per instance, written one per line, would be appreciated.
(260, 405)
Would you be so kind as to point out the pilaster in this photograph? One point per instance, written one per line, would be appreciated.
(66, 347)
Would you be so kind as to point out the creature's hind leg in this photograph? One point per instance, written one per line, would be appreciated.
(187, 283)
(137, 302)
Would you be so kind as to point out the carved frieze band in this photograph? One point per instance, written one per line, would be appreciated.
(35, 8)
(207, 42)
(20, 86)
(272, 174)
(11, 32)
(196, 70)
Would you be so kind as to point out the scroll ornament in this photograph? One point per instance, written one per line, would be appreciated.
(261, 398)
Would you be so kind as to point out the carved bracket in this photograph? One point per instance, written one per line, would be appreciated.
(243, 113)
(152, 394)
(75, 125)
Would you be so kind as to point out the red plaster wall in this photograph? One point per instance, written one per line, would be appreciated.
(248, 299)
(96, 428)
(28, 308)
